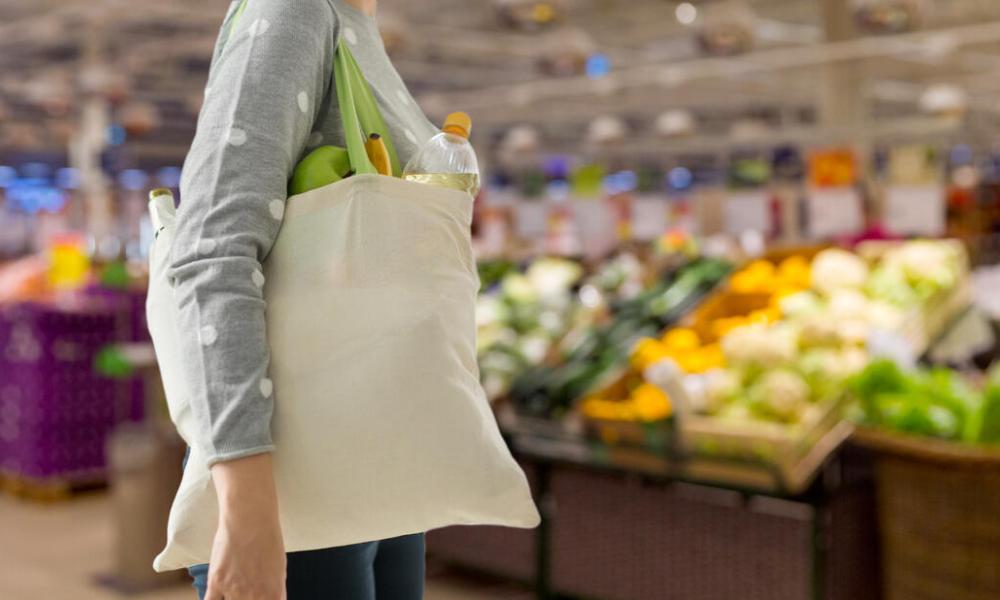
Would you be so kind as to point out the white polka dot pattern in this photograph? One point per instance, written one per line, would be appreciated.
(258, 27)
(207, 246)
(277, 208)
(208, 335)
(237, 137)
(244, 139)
(266, 387)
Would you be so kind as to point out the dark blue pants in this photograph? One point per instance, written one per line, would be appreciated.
(390, 569)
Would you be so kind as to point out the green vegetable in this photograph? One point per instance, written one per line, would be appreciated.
(989, 421)
(597, 354)
(936, 403)
(111, 363)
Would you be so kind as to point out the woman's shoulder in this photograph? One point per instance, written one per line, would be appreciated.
(312, 12)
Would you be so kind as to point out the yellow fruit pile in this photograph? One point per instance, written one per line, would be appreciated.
(691, 352)
(790, 276)
(723, 325)
(763, 277)
(683, 346)
(646, 403)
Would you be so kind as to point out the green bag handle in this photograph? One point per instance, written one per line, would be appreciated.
(366, 107)
(359, 110)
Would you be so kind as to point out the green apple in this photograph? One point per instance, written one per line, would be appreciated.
(322, 166)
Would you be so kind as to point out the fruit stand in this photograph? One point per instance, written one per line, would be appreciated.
(715, 439)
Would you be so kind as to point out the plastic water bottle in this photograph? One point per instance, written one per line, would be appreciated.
(447, 159)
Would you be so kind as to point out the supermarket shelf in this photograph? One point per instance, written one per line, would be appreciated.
(738, 475)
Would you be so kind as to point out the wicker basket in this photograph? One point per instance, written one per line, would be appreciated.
(939, 516)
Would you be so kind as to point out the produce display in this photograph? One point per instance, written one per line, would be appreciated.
(522, 315)
(778, 344)
(936, 402)
(590, 356)
(524, 312)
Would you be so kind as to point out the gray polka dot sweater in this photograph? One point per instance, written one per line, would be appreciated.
(269, 99)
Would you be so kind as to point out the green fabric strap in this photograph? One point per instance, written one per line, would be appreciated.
(235, 18)
(359, 110)
(354, 134)
(367, 107)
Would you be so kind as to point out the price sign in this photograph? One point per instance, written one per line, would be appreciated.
(595, 225)
(747, 211)
(915, 209)
(649, 217)
(834, 212)
(531, 219)
(835, 167)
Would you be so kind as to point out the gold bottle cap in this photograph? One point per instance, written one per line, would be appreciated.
(458, 123)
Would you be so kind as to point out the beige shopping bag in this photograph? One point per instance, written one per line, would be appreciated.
(380, 425)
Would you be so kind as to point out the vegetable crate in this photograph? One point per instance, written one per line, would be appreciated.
(654, 435)
(794, 454)
(923, 325)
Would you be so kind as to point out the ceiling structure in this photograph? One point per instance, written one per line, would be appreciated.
(458, 55)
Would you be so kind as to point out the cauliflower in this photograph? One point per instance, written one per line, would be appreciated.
(846, 321)
(781, 395)
(889, 284)
(553, 277)
(855, 331)
(533, 346)
(934, 263)
(760, 345)
(826, 369)
(489, 310)
(847, 304)
(721, 386)
(518, 289)
(800, 304)
(912, 272)
(819, 330)
(836, 269)
(883, 315)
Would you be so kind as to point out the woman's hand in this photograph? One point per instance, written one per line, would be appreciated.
(248, 554)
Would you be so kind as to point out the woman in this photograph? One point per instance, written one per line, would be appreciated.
(269, 100)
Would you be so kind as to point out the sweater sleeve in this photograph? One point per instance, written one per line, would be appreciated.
(264, 94)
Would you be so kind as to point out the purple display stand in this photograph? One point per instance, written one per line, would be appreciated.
(132, 302)
(55, 410)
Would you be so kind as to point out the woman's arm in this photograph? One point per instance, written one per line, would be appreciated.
(260, 105)
(248, 555)
(263, 96)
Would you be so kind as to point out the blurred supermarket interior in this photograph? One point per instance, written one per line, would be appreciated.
(740, 296)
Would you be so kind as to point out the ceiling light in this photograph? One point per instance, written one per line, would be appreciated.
(676, 123)
(944, 99)
(728, 27)
(686, 13)
(607, 130)
(888, 16)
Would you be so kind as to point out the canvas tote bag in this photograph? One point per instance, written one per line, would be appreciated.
(380, 424)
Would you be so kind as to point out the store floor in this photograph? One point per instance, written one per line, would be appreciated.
(56, 551)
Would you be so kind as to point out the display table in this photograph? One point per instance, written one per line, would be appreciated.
(614, 531)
